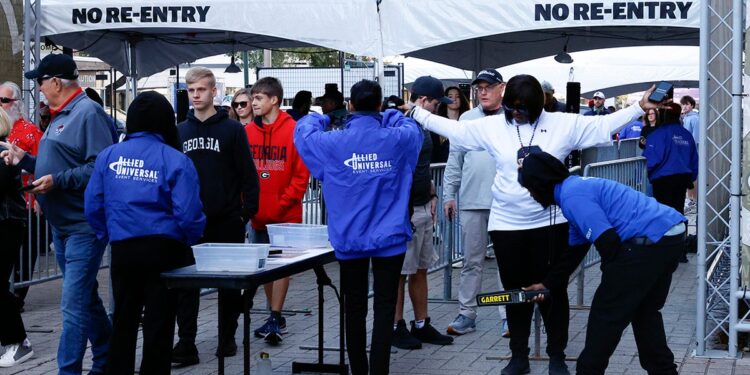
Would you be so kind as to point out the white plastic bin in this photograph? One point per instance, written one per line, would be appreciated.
(230, 257)
(304, 236)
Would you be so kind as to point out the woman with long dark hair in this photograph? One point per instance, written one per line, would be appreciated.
(650, 122)
(440, 144)
(528, 239)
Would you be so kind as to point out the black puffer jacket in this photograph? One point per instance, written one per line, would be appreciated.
(11, 199)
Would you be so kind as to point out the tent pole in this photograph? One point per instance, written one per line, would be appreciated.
(245, 67)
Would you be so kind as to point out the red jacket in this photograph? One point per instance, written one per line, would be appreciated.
(282, 175)
(26, 135)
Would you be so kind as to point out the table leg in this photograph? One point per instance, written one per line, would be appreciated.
(342, 327)
(221, 334)
(321, 367)
(247, 300)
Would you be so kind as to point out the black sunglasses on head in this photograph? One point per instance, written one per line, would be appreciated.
(5, 100)
(242, 104)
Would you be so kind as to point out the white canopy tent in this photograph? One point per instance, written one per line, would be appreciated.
(140, 37)
(615, 71)
(474, 34)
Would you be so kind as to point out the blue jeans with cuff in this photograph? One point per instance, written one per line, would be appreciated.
(84, 319)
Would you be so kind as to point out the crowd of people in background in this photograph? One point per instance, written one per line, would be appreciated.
(228, 171)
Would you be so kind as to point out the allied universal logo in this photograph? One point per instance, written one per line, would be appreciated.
(367, 163)
(132, 169)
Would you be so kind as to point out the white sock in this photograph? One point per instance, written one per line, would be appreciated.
(419, 324)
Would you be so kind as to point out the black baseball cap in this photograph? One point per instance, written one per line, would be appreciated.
(334, 95)
(432, 87)
(489, 75)
(54, 65)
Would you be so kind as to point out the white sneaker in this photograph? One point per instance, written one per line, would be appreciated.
(16, 353)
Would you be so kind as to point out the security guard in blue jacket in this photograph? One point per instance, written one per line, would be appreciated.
(366, 169)
(640, 242)
(143, 198)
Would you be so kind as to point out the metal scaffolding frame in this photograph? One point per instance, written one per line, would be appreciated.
(721, 41)
(31, 55)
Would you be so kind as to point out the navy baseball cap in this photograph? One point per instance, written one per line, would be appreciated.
(489, 75)
(432, 87)
(54, 65)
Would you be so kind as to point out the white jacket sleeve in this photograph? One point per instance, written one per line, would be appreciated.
(464, 135)
(590, 131)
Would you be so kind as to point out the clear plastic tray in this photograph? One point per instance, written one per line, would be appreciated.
(304, 236)
(230, 257)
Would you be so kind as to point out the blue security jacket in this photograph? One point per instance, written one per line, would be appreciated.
(670, 150)
(366, 169)
(593, 206)
(144, 187)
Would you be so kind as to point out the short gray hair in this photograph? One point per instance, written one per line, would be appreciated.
(16, 109)
(69, 82)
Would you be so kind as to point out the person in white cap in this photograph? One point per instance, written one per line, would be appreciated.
(599, 108)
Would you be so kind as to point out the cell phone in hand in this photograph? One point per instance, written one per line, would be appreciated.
(664, 90)
(27, 187)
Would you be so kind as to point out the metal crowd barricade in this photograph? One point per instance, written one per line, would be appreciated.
(36, 262)
(631, 172)
(446, 236)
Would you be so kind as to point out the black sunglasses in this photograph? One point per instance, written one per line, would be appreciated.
(242, 104)
(5, 100)
(42, 79)
(521, 109)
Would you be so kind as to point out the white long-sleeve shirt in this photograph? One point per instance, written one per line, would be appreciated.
(556, 133)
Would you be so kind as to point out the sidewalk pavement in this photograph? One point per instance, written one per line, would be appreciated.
(468, 355)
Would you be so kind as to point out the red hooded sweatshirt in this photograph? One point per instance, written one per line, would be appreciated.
(282, 175)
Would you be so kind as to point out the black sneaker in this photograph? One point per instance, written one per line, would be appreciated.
(557, 366)
(519, 364)
(429, 334)
(185, 354)
(228, 349)
(402, 339)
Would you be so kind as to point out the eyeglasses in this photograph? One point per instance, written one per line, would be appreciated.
(242, 104)
(520, 109)
(41, 80)
(481, 89)
(5, 100)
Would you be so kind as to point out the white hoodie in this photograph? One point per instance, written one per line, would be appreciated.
(556, 133)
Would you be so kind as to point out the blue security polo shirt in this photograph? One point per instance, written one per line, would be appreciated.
(593, 206)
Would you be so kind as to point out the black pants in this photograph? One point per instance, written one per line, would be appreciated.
(188, 300)
(12, 330)
(138, 289)
(354, 283)
(524, 257)
(32, 246)
(634, 287)
(671, 190)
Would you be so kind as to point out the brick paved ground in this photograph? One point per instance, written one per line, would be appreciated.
(468, 355)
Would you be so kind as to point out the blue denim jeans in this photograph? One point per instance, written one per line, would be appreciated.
(84, 319)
